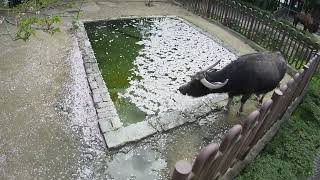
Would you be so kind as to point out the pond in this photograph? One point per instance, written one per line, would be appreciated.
(143, 61)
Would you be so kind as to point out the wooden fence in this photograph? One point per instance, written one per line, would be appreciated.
(13, 3)
(214, 160)
(259, 27)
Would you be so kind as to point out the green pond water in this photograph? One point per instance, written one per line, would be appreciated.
(115, 46)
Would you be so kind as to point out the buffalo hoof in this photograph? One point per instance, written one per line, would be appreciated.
(239, 114)
(258, 105)
(225, 109)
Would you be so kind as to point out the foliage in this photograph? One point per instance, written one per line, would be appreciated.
(269, 5)
(25, 28)
(272, 5)
(309, 4)
(28, 26)
(291, 153)
(33, 5)
(47, 23)
(29, 17)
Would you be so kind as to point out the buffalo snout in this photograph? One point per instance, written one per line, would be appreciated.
(182, 89)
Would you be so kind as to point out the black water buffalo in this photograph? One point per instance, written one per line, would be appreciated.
(256, 73)
(307, 20)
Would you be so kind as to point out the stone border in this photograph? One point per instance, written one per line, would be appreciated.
(106, 112)
(114, 133)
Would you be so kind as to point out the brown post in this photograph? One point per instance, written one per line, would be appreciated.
(285, 38)
(227, 6)
(242, 142)
(226, 145)
(251, 23)
(204, 159)
(272, 32)
(291, 31)
(267, 121)
(182, 170)
(249, 143)
(209, 9)
(286, 102)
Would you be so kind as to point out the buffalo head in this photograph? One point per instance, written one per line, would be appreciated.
(200, 86)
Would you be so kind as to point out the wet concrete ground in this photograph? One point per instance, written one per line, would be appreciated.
(48, 127)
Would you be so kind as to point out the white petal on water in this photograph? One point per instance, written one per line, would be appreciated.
(172, 52)
(140, 42)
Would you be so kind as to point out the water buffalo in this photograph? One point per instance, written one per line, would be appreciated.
(308, 22)
(256, 73)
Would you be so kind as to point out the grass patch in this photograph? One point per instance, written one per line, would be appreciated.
(291, 153)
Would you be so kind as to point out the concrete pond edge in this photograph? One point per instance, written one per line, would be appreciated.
(114, 133)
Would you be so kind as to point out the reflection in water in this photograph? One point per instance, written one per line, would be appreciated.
(140, 163)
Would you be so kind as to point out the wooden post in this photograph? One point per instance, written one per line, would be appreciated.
(182, 170)
(227, 6)
(269, 119)
(251, 23)
(202, 163)
(226, 146)
(209, 9)
(242, 142)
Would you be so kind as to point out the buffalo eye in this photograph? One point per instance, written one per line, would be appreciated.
(200, 76)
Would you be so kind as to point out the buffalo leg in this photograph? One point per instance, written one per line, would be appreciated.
(244, 98)
(261, 99)
(295, 22)
(230, 98)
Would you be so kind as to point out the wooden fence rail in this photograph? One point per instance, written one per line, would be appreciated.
(214, 160)
(259, 27)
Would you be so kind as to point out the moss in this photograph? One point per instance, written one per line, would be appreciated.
(115, 47)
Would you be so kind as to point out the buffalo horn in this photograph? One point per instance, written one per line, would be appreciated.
(214, 85)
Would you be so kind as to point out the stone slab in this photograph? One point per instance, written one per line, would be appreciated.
(131, 133)
(105, 126)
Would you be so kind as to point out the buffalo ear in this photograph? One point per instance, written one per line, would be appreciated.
(192, 76)
(198, 76)
(195, 77)
(212, 70)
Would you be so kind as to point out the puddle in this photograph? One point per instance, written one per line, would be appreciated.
(141, 163)
(155, 157)
(144, 61)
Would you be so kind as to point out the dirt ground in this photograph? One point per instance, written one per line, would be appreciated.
(48, 127)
